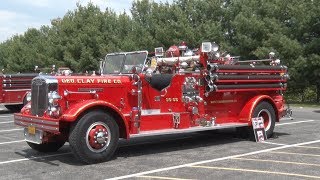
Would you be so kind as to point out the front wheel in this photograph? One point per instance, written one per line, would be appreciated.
(94, 138)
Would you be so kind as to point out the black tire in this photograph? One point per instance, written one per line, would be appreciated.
(80, 137)
(266, 110)
(47, 147)
(247, 132)
(14, 108)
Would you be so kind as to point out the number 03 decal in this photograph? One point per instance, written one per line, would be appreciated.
(172, 99)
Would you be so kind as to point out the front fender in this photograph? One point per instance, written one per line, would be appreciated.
(76, 110)
(247, 110)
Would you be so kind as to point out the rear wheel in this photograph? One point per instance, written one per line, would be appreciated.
(47, 147)
(94, 138)
(16, 107)
(266, 111)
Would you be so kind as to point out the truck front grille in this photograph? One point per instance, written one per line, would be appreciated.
(40, 86)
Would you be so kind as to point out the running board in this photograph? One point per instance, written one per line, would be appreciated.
(188, 130)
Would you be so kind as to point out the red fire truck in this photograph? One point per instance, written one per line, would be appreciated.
(14, 89)
(175, 91)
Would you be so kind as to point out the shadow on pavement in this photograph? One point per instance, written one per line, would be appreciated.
(142, 146)
(5, 111)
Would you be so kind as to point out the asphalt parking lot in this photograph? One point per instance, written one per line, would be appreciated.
(293, 153)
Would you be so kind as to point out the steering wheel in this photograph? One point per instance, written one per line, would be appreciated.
(136, 69)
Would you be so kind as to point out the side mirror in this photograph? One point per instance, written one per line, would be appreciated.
(209, 47)
(159, 52)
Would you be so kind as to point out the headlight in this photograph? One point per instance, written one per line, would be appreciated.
(53, 97)
(54, 108)
(28, 97)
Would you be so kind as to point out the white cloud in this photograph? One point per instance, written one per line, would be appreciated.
(116, 5)
(12, 23)
(36, 3)
(7, 16)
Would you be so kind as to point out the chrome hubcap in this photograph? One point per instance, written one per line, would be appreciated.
(266, 115)
(98, 137)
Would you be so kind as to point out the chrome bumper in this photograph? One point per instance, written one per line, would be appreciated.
(45, 124)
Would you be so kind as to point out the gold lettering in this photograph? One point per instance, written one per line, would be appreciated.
(105, 81)
(223, 101)
(67, 81)
(90, 80)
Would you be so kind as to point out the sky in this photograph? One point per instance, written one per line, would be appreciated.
(16, 16)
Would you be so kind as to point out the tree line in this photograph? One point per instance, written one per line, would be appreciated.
(248, 28)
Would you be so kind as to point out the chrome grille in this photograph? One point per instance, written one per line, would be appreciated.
(40, 86)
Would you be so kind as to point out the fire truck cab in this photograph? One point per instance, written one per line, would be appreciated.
(175, 91)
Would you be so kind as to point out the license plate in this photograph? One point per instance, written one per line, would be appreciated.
(31, 134)
(32, 130)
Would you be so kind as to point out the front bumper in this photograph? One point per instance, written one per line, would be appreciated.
(41, 123)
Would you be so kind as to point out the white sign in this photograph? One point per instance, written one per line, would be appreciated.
(258, 129)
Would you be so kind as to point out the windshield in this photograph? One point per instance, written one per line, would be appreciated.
(113, 63)
(124, 62)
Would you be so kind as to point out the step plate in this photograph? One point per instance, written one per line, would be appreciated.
(192, 129)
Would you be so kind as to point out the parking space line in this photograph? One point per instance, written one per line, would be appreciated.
(159, 177)
(275, 161)
(279, 144)
(32, 158)
(213, 160)
(5, 122)
(257, 171)
(296, 122)
(10, 142)
(8, 130)
(309, 147)
(6, 116)
(291, 153)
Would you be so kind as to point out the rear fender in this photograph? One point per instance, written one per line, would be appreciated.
(77, 110)
(247, 110)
